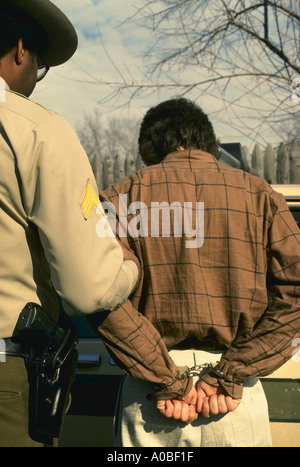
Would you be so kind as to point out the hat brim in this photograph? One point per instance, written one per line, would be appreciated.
(61, 37)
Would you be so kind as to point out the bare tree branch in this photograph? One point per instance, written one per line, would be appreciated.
(241, 54)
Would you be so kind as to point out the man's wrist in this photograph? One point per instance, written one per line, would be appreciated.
(228, 388)
(176, 390)
(221, 376)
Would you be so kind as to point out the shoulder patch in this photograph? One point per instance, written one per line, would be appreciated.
(90, 199)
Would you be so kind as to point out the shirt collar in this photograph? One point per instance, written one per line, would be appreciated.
(3, 84)
(190, 155)
(3, 88)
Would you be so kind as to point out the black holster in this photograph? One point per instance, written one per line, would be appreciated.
(51, 357)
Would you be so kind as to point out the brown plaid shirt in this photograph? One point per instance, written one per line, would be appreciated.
(213, 296)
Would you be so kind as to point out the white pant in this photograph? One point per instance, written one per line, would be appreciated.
(139, 424)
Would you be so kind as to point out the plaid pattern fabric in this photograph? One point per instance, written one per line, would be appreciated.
(214, 296)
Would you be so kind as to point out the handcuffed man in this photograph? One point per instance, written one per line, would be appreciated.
(199, 329)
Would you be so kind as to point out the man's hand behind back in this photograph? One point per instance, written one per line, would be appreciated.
(211, 401)
(183, 409)
(205, 400)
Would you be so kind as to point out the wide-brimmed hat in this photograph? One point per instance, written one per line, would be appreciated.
(60, 36)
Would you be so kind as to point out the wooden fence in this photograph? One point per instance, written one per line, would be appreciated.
(279, 165)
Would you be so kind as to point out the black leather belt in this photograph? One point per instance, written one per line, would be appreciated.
(14, 349)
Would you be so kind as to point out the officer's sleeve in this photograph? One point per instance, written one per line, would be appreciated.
(61, 200)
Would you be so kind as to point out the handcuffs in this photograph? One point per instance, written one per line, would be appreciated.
(195, 370)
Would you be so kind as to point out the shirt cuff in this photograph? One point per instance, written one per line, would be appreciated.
(176, 391)
(234, 390)
(123, 286)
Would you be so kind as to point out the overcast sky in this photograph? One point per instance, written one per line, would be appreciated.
(67, 89)
(70, 89)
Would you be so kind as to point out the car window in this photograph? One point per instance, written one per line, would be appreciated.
(296, 213)
(84, 331)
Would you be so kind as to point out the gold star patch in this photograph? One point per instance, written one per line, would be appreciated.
(90, 199)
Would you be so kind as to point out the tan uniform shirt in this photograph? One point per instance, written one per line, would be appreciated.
(209, 292)
(49, 210)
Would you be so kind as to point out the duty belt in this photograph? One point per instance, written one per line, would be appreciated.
(14, 349)
(49, 350)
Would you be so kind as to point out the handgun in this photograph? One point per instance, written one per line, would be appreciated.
(34, 322)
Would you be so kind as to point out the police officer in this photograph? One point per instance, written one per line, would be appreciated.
(49, 208)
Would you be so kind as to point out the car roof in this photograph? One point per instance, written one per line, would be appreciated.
(290, 192)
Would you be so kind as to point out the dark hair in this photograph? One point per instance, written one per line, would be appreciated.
(13, 28)
(175, 123)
